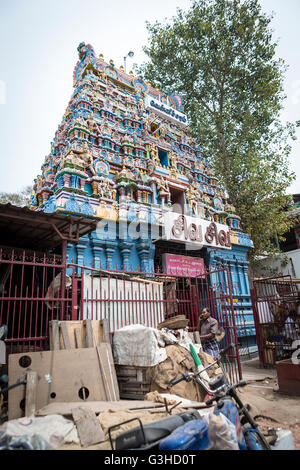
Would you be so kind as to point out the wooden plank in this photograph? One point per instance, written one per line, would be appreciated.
(89, 429)
(30, 398)
(54, 336)
(108, 392)
(65, 408)
(77, 338)
(89, 333)
(64, 375)
(113, 370)
(81, 333)
(105, 331)
(2, 353)
(71, 327)
(107, 365)
(65, 335)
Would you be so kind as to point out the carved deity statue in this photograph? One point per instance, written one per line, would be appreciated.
(80, 121)
(164, 191)
(106, 190)
(206, 199)
(154, 154)
(102, 210)
(173, 160)
(87, 158)
(72, 158)
(193, 196)
(91, 122)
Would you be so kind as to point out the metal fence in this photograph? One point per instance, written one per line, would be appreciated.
(37, 288)
(275, 307)
(32, 293)
(125, 298)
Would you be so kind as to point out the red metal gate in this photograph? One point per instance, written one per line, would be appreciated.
(275, 308)
(35, 289)
(32, 292)
(135, 298)
(215, 293)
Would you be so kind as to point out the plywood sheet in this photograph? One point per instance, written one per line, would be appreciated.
(68, 375)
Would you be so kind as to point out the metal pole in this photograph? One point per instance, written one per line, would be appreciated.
(234, 325)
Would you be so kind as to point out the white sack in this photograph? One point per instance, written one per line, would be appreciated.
(138, 345)
(55, 429)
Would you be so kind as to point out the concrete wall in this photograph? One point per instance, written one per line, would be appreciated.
(280, 266)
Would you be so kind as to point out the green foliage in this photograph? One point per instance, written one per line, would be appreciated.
(220, 56)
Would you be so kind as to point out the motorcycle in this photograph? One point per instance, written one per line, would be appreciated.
(188, 430)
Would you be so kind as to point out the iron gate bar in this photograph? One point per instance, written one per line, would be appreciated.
(273, 299)
(154, 296)
(26, 300)
(222, 292)
(146, 306)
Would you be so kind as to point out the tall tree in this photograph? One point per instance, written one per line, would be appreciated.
(220, 56)
(16, 199)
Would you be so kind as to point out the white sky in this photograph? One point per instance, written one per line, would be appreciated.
(38, 53)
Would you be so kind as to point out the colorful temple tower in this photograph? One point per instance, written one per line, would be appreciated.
(123, 154)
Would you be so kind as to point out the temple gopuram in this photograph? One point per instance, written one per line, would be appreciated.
(123, 153)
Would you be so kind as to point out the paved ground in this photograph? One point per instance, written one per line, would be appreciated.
(273, 409)
(253, 371)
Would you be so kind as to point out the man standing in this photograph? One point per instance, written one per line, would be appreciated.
(208, 328)
(291, 327)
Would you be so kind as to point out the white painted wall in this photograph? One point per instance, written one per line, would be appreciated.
(292, 267)
(295, 259)
(138, 302)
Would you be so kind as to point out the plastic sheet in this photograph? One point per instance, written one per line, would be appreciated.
(221, 432)
(24, 442)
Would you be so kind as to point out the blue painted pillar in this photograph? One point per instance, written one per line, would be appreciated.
(146, 254)
(80, 248)
(110, 247)
(98, 248)
(125, 249)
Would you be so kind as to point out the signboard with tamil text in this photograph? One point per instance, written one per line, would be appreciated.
(196, 231)
(186, 266)
(165, 111)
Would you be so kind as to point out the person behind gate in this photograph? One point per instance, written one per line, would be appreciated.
(208, 328)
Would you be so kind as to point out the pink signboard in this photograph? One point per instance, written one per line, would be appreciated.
(186, 266)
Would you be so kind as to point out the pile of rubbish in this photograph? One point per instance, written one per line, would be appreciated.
(151, 388)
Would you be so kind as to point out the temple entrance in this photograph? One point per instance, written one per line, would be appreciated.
(177, 200)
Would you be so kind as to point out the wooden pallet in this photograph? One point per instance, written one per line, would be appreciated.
(78, 334)
(134, 382)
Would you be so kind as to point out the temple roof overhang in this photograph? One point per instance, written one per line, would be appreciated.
(24, 228)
